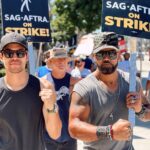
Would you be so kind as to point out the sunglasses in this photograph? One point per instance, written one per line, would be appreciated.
(102, 54)
(20, 53)
(78, 62)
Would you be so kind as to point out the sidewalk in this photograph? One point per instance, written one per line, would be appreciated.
(141, 139)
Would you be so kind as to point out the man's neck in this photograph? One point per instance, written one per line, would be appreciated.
(110, 80)
(16, 82)
(58, 75)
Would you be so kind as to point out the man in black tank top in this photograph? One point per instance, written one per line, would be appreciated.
(25, 101)
(62, 81)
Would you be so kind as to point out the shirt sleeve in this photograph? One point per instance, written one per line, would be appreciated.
(83, 90)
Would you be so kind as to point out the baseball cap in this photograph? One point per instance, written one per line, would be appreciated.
(46, 55)
(105, 40)
(13, 37)
(58, 53)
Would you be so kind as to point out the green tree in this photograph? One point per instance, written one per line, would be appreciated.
(75, 16)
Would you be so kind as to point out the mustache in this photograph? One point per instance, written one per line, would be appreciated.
(107, 62)
(14, 61)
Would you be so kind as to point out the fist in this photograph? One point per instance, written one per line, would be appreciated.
(122, 130)
(134, 101)
(47, 93)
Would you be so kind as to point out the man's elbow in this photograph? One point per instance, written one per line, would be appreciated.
(73, 130)
(55, 136)
(54, 133)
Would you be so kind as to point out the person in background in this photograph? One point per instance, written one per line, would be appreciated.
(99, 103)
(25, 101)
(43, 70)
(148, 49)
(63, 83)
(88, 63)
(80, 71)
(147, 89)
(125, 63)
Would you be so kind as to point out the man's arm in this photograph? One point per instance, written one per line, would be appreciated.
(78, 115)
(80, 129)
(134, 101)
(144, 114)
(53, 122)
(73, 81)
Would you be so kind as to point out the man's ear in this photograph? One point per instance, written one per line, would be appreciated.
(49, 63)
(27, 56)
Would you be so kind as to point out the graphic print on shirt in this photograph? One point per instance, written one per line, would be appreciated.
(63, 91)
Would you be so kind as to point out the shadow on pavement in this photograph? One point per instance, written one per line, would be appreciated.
(137, 137)
(142, 124)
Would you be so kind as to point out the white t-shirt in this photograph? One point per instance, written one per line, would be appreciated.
(80, 74)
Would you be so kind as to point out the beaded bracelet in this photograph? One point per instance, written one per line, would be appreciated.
(104, 132)
(110, 132)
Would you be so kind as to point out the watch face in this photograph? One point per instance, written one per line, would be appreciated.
(54, 110)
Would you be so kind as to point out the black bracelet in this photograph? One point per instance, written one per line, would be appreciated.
(141, 113)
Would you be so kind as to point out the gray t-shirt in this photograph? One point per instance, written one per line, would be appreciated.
(106, 107)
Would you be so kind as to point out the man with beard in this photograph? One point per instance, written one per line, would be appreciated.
(100, 102)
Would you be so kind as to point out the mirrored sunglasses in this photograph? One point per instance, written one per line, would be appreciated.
(8, 53)
(103, 54)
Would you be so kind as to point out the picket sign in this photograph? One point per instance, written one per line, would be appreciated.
(132, 77)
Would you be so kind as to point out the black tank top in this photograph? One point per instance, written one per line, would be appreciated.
(21, 118)
(62, 91)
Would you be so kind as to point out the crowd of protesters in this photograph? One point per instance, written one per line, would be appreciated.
(70, 98)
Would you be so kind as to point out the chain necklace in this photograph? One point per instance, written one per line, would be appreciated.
(117, 100)
(111, 114)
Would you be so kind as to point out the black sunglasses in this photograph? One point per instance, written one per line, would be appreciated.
(8, 53)
(102, 54)
(78, 62)
(81, 60)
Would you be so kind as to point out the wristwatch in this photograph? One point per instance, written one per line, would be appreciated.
(54, 110)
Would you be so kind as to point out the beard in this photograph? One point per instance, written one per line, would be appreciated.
(107, 68)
